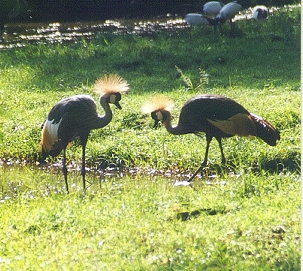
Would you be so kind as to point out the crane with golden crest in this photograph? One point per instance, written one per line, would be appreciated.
(76, 116)
(216, 116)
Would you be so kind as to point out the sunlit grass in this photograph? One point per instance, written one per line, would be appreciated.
(141, 223)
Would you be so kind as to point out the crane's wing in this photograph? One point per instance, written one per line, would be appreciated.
(66, 120)
(239, 124)
(203, 111)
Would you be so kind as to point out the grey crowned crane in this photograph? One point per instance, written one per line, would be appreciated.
(260, 12)
(217, 116)
(194, 19)
(211, 9)
(76, 116)
(228, 12)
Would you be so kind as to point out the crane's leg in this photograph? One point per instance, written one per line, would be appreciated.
(83, 140)
(1, 32)
(223, 159)
(204, 163)
(231, 25)
(64, 170)
(83, 171)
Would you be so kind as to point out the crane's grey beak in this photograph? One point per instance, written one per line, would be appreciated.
(156, 124)
(118, 105)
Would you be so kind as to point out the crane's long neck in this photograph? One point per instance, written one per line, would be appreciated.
(176, 129)
(107, 117)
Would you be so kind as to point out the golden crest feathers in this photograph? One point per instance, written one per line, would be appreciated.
(111, 83)
(157, 103)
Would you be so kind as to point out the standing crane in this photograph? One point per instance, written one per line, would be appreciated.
(76, 116)
(212, 9)
(194, 19)
(260, 12)
(228, 12)
(216, 116)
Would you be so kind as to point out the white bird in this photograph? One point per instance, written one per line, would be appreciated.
(211, 9)
(260, 12)
(196, 19)
(228, 12)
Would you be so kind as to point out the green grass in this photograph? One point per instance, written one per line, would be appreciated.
(258, 67)
(135, 222)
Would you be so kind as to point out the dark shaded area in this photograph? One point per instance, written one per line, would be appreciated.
(183, 216)
(84, 10)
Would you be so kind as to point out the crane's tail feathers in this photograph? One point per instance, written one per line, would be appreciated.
(111, 83)
(50, 144)
(157, 103)
(265, 130)
(53, 152)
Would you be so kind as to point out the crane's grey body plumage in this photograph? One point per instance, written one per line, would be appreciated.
(197, 111)
(228, 12)
(211, 9)
(74, 116)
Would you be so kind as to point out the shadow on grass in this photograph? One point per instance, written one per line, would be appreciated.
(183, 216)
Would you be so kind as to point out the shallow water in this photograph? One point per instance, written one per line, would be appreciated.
(22, 34)
(18, 35)
(31, 181)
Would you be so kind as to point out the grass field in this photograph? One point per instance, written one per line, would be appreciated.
(244, 217)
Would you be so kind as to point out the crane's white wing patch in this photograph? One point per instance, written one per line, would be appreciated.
(49, 134)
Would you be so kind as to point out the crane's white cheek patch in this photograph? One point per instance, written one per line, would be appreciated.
(49, 135)
(159, 115)
(239, 124)
(112, 99)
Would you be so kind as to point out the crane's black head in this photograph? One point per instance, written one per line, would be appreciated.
(158, 116)
(114, 98)
(262, 13)
(219, 19)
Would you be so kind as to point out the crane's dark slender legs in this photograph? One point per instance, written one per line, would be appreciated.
(223, 160)
(64, 169)
(83, 171)
(83, 139)
(204, 163)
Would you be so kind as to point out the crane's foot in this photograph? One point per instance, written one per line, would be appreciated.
(203, 165)
(84, 185)
(188, 182)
